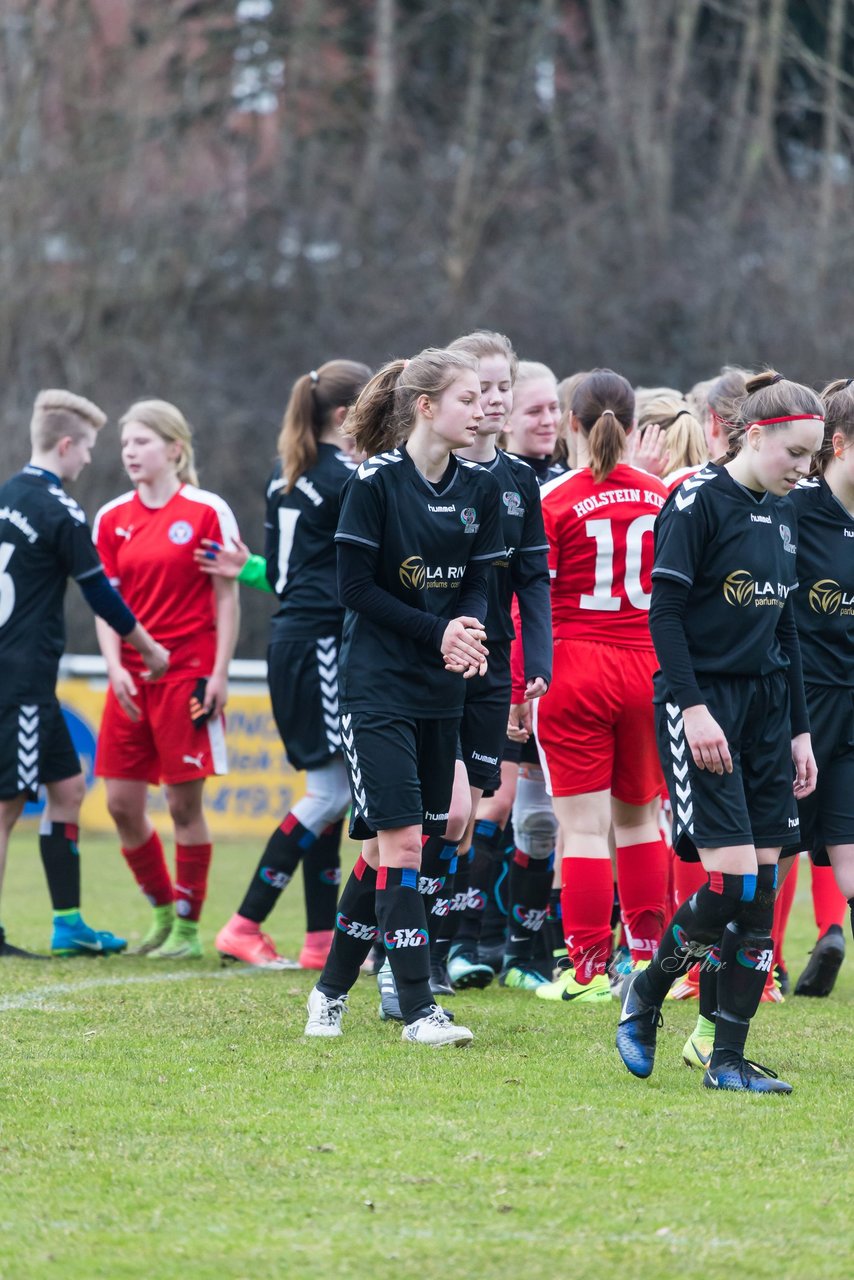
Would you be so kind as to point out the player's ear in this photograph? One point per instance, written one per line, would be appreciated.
(63, 445)
(574, 423)
(424, 405)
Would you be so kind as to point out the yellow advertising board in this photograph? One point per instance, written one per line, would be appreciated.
(249, 800)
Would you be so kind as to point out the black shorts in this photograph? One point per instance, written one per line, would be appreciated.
(521, 752)
(303, 679)
(483, 727)
(401, 771)
(827, 816)
(35, 748)
(754, 804)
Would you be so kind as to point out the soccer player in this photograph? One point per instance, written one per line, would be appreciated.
(824, 611)
(45, 540)
(731, 717)
(174, 732)
(418, 531)
(595, 726)
(523, 572)
(482, 934)
(303, 503)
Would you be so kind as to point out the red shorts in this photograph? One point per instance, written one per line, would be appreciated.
(163, 745)
(595, 726)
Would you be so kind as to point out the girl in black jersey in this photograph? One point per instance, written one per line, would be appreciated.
(417, 534)
(731, 717)
(824, 611)
(524, 573)
(303, 499)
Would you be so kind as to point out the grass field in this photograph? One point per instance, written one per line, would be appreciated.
(171, 1121)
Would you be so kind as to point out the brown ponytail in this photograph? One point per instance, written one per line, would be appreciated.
(384, 413)
(313, 401)
(604, 403)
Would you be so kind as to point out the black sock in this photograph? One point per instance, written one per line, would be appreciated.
(355, 931)
(530, 883)
(709, 967)
(851, 910)
(321, 879)
(435, 881)
(696, 926)
(747, 955)
(61, 862)
(493, 926)
(403, 927)
(278, 863)
(487, 839)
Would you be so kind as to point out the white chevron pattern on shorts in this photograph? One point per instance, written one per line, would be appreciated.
(360, 800)
(679, 766)
(326, 652)
(28, 748)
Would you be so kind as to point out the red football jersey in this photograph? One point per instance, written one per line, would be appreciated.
(147, 553)
(600, 554)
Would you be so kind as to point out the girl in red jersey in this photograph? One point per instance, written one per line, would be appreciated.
(172, 732)
(595, 725)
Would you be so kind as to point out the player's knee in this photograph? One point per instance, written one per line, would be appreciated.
(68, 794)
(721, 899)
(536, 832)
(755, 914)
(326, 799)
(184, 809)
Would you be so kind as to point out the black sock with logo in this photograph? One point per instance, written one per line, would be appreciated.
(355, 931)
(288, 843)
(528, 904)
(321, 879)
(403, 929)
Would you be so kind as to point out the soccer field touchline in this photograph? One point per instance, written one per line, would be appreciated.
(32, 999)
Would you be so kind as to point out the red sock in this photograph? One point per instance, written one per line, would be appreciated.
(782, 908)
(150, 871)
(688, 877)
(828, 903)
(191, 878)
(642, 874)
(586, 899)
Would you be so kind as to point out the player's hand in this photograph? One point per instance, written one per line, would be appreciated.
(707, 740)
(806, 770)
(520, 722)
(225, 562)
(216, 694)
(463, 648)
(650, 452)
(156, 659)
(123, 686)
(536, 688)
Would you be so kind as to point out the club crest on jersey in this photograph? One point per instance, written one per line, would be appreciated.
(513, 503)
(180, 532)
(413, 573)
(468, 515)
(827, 596)
(786, 535)
(740, 588)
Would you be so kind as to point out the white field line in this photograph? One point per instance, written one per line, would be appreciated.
(39, 995)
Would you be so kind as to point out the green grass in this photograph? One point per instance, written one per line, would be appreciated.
(187, 1129)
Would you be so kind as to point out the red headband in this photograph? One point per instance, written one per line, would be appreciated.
(793, 417)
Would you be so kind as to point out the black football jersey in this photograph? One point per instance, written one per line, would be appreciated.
(737, 552)
(45, 539)
(824, 600)
(300, 546)
(425, 536)
(523, 533)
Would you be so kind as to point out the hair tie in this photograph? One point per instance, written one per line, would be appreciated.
(680, 414)
(315, 376)
(778, 377)
(611, 411)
